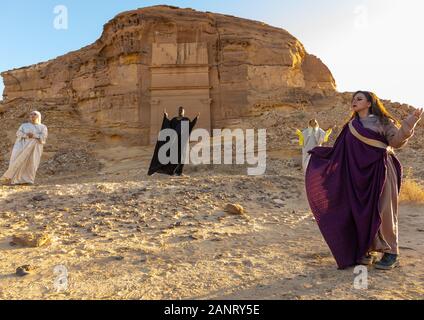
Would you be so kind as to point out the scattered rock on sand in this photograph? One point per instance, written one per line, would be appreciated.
(31, 240)
(25, 270)
(118, 258)
(248, 263)
(234, 209)
(278, 201)
(6, 215)
(39, 198)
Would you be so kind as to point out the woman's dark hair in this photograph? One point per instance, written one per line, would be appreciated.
(377, 108)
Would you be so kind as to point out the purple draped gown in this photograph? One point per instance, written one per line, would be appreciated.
(343, 185)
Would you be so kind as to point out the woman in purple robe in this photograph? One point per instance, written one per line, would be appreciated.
(353, 188)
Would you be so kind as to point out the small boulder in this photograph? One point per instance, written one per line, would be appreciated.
(39, 198)
(31, 240)
(25, 270)
(234, 209)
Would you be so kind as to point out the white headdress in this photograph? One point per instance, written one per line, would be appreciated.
(38, 121)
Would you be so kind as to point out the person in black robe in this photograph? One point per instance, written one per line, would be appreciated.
(176, 124)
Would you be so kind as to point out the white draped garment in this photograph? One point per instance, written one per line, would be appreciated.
(26, 154)
(313, 137)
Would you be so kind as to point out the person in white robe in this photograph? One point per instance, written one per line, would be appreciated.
(27, 152)
(310, 138)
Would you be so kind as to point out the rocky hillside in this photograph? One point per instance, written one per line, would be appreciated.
(107, 85)
(100, 96)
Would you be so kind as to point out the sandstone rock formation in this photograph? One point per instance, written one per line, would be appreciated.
(109, 95)
(161, 57)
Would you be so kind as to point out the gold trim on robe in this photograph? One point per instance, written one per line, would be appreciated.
(368, 141)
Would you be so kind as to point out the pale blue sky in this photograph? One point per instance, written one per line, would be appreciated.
(368, 44)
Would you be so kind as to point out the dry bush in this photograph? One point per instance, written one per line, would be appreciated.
(411, 190)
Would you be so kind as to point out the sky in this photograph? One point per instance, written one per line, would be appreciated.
(374, 45)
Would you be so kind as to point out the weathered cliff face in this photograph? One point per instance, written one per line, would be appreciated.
(157, 58)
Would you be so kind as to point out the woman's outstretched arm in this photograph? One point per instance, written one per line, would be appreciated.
(398, 137)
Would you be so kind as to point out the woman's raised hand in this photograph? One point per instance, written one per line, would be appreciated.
(418, 112)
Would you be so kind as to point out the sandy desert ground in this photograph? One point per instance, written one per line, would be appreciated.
(123, 235)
